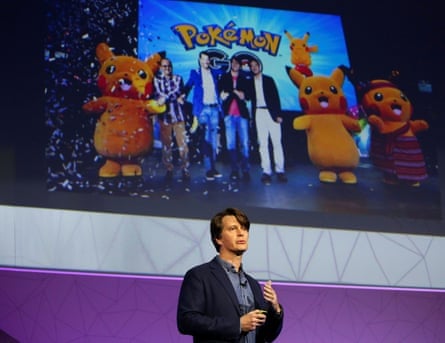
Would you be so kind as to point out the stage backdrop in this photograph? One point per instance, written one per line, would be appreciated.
(180, 30)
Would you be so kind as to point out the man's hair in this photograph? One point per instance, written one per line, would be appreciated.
(235, 58)
(167, 59)
(203, 52)
(260, 65)
(216, 223)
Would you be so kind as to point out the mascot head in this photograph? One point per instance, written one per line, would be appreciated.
(320, 94)
(385, 99)
(300, 50)
(125, 76)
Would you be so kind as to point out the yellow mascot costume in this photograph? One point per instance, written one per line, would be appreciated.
(394, 147)
(331, 147)
(124, 131)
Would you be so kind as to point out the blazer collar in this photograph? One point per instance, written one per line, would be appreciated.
(220, 274)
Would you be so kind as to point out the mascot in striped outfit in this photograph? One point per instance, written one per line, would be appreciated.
(395, 149)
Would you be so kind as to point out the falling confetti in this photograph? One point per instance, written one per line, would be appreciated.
(74, 29)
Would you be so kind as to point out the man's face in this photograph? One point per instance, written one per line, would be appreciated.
(235, 65)
(234, 237)
(166, 67)
(204, 61)
(255, 67)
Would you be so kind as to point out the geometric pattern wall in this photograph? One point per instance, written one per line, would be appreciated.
(117, 243)
(48, 307)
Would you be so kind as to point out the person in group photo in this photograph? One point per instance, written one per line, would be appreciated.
(169, 88)
(266, 108)
(207, 108)
(233, 88)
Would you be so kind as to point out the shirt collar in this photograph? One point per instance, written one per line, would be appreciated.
(228, 267)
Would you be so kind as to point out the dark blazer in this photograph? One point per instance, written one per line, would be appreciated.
(242, 84)
(195, 81)
(208, 308)
(270, 95)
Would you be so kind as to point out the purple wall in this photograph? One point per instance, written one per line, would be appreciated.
(46, 307)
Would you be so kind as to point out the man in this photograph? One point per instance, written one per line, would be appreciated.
(233, 91)
(168, 88)
(207, 108)
(218, 301)
(266, 108)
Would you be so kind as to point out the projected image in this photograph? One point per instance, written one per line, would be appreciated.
(191, 104)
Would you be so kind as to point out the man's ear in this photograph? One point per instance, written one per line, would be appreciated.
(218, 241)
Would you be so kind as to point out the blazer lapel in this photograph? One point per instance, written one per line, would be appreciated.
(222, 278)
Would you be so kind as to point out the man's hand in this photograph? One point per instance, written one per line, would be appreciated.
(250, 321)
(162, 100)
(224, 95)
(239, 94)
(181, 99)
(271, 296)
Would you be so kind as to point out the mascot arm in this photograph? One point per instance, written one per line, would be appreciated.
(351, 124)
(153, 107)
(95, 106)
(302, 123)
(418, 125)
(377, 122)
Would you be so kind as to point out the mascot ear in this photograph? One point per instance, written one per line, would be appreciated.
(394, 76)
(360, 86)
(295, 76)
(154, 61)
(349, 73)
(338, 75)
(103, 52)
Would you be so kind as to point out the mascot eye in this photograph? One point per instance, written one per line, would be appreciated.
(333, 89)
(142, 74)
(403, 97)
(378, 97)
(308, 90)
(110, 69)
